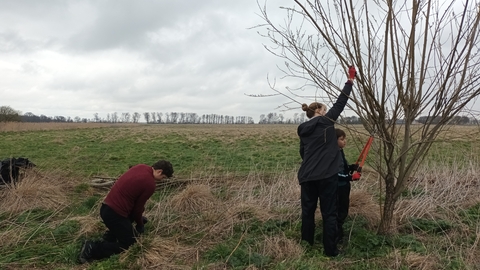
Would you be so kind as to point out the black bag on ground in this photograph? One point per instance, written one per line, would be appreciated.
(10, 169)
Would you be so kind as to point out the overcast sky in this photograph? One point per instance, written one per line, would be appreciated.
(76, 58)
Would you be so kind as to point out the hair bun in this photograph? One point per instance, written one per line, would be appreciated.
(304, 107)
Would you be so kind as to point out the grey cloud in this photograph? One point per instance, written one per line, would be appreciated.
(127, 23)
(116, 56)
(11, 42)
(31, 68)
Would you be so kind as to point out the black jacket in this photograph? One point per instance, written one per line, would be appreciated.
(318, 142)
(344, 173)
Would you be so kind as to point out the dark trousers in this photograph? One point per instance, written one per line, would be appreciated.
(326, 191)
(119, 236)
(343, 203)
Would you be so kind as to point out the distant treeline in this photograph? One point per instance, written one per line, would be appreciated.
(7, 114)
(171, 118)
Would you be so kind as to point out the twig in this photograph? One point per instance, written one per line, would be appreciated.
(238, 244)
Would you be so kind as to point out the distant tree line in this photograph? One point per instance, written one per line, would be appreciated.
(193, 118)
(30, 117)
(8, 114)
(456, 120)
(172, 118)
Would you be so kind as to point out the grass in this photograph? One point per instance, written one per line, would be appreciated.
(239, 210)
(108, 151)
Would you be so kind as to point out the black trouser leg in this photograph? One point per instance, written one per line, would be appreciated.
(109, 236)
(326, 191)
(328, 206)
(309, 200)
(343, 203)
(120, 228)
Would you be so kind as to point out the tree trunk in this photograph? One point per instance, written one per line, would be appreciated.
(386, 221)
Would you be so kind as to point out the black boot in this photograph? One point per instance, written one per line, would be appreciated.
(86, 254)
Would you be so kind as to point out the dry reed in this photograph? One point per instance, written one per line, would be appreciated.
(194, 198)
(363, 204)
(11, 236)
(282, 248)
(234, 215)
(413, 261)
(34, 191)
(88, 225)
(280, 192)
(440, 192)
(194, 210)
(166, 254)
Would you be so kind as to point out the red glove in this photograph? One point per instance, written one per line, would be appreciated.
(352, 72)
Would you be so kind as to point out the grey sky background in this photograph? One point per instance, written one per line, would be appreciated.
(77, 58)
(81, 57)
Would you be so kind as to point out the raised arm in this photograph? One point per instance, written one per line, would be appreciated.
(342, 99)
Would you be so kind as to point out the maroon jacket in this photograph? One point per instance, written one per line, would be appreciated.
(131, 191)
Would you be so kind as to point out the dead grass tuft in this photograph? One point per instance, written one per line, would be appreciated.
(470, 202)
(281, 248)
(473, 253)
(424, 262)
(235, 214)
(12, 236)
(166, 254)
(243, 212)
(277, 193)
(194, 198)
(88, 225)
(362, 204)
(34, 191)
(413, 261)
(436, 187)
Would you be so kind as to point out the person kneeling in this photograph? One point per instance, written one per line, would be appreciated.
(123, 205)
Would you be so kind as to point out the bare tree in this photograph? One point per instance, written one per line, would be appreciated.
(173, 117)
(181, 119)
(413, 58)
(154, 117)
(136, 117)
(126, 117)
(159, 116)
(114, 117)
(147, 117)
(8, 114)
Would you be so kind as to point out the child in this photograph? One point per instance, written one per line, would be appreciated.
(343, 191)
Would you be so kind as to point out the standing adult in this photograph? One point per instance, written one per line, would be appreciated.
(318, 173)
(123, 205)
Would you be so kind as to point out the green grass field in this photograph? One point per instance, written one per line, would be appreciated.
(237, 207)
(109, 151)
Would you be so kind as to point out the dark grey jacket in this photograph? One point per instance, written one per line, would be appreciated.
(344, 176)
(318, 142)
